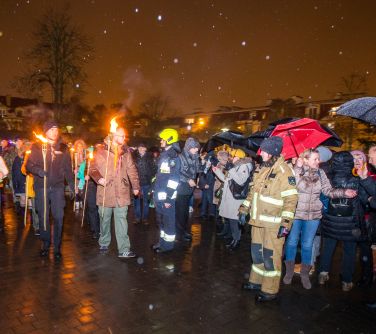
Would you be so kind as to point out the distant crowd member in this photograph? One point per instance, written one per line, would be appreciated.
(3, 174)
(146, 172)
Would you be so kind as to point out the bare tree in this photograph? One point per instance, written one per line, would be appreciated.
(57, 58)
(354, 84)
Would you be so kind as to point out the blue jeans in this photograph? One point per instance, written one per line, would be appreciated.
(306, 230)
(143, 196)
(348, 260)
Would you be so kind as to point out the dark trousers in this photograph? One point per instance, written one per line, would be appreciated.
(348, 260)
(366, 259)
(56, 202)
(166, 221)
(92, 213)
(207, 206)
(141, 203)
(182, 215)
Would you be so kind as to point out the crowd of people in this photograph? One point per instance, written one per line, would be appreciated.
(313, 201)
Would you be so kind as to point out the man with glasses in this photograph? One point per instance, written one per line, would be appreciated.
(114, 192)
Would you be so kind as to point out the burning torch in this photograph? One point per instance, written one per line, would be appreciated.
(87, 183)
(75, 178)
(113, 128)
(44, 142)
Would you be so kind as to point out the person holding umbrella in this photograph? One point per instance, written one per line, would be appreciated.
(271, 205)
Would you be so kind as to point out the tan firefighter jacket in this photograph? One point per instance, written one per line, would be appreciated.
(273, 196)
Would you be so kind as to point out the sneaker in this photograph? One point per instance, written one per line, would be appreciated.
(127, 254)
(323, 277)
(346, 287)
(103, 248)
(37, 232)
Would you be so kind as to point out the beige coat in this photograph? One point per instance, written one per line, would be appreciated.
(310, 184)
(119, 180)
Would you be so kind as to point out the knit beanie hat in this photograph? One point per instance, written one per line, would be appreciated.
(237, 153)
(49, 125)
(191, 143)
(324, 153)
(272, 145)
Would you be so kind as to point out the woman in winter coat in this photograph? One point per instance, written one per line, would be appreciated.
(229, 206)
(344, 220)
(311, 181)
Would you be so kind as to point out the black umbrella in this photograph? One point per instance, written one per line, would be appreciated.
(233, 139)
(363, 108)
(255, 139)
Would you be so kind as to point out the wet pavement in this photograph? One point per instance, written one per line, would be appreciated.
(196, 289)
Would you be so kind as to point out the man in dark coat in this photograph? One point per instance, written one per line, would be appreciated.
(189, 168)
(146, 171)
(58, 169)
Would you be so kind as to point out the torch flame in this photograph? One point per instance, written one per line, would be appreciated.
(41, 138)
(28, 152)
(91, 156)
(114, 125)
(72, 149)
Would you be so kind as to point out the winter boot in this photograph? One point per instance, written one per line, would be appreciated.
(289, 272)
(304, 276)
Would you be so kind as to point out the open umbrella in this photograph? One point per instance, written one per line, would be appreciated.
(255, 139)
(363, 108)
(233, 139)
(300, 135)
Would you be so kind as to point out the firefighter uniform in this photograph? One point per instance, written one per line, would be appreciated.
(271, 204)
(165, 190)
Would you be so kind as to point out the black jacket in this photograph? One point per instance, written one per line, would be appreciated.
(58, 166)
(344, 219)
(146, 168)
(18, 178)
(189, 167)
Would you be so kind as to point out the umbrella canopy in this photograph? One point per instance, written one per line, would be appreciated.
(233, 139)
(300, 135)
(363, 108)
(255, 139)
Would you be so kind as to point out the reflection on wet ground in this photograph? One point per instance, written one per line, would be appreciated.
(195, 289)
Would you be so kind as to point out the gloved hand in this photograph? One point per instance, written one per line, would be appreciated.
(72, 195)
(243, 218)
(243, 210)
(42, 173)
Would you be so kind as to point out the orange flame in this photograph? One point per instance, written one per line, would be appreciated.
(72, 149)
(41, 138)
(91, 156)
(28, 152)
(114, 125)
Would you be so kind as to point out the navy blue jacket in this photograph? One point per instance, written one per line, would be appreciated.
(18, 178)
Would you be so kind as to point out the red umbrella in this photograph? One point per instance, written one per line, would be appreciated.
(300, 135)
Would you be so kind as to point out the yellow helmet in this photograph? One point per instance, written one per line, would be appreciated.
(237, 153)
(169, 135)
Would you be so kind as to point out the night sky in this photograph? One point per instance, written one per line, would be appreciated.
(203, 54)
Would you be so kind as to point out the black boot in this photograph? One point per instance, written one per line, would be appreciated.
(251, 286)
(265, 297)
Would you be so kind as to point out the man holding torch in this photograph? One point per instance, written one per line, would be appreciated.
(50, 164)
(114, 172)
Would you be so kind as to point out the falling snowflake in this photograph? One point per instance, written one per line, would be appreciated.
(316, 8)
(340, 53)
(77, 85)
(244, 43)
(219, 87)
(159, 17)
(1, 34)
(195, 44)
(140, 43)
(267, 57)
(136, 10)
(100, 91)
(105, 31)
(176, 60)
(122, 21)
